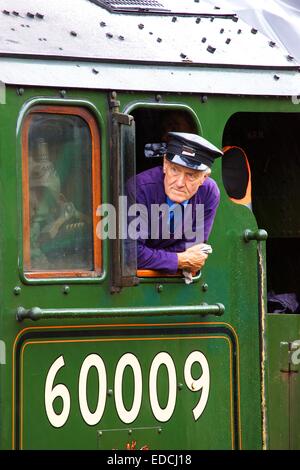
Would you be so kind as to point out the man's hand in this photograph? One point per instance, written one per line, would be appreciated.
(192, 259)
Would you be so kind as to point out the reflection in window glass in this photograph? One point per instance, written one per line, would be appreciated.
(60, 194)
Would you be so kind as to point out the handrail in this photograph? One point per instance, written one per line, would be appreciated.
(36, 313)
(259, 235)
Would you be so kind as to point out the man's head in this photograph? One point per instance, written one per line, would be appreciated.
(187, 164)
(181, 183)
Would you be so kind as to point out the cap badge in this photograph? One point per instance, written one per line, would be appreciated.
(188, 151)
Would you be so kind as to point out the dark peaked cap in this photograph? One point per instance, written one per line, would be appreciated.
(191, 150)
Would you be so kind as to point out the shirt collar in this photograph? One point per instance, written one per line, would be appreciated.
(172, 203)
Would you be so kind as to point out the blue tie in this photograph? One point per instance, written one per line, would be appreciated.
(172, 208)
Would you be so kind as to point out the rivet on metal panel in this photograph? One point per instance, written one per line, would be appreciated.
(159, 39)
(73, 33)
(66, 290)
(160, 429)
(109, 35)
(198, 20)
(290, 57)
(182, 55)
(16, 13)
(121, 38)
(203, 40)
(129, 431)
(210, 49)
(30, 15)
(17, 290)
(20, 91)
(276, 77)
(5, 12)
(150, 32)
(217, 8)
(221, 30)
(235, 19)
(180, 386)
(239, 31)
(110, 392)
(62, 93)
(204, 99)
(174, 19)
(228, 41)
(212, 19)
(102, 24)
(159, 288)
(272, 43)
(95, 71)
(141, 26)
(40, 16)
(204, 287)
(12, 29)
(253, 30)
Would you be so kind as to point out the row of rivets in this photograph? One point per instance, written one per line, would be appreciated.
(28, 14)
(66, 290)
(204, 286)
(17, 290)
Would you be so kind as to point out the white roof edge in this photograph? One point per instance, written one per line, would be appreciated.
(109, 76)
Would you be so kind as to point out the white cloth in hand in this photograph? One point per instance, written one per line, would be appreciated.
(188, 276)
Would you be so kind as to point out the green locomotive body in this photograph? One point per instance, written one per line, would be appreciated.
(93, 353)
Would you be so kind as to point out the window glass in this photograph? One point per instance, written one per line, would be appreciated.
(59, 213)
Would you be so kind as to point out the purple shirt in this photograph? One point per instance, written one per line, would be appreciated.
(160, 254)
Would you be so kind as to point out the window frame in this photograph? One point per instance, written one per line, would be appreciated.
(97, 271)
(150, 275)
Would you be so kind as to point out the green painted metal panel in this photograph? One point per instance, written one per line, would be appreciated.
(190, 399)
(283, 372)
(231, 278)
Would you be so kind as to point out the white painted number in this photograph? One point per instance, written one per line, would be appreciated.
(162, 414)
(296, 354)
(199, 384)
(51, 393)
(130, 361)
(93, 360)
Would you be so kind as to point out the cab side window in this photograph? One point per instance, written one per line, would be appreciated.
(61, 191)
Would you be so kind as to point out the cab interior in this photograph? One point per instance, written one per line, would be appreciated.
(274, 159)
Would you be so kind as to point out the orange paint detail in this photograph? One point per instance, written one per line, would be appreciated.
(247, 199)
(153, 273)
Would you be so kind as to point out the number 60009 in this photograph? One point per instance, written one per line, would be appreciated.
(200, 385)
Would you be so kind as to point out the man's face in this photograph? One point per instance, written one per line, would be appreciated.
(181, 183)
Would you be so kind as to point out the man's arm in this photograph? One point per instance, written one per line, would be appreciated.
(192, 259)
(156, 259)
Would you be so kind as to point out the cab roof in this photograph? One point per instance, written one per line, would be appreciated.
(165, 46)
(82, 29)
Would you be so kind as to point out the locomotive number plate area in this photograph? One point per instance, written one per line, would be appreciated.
(158, 392)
